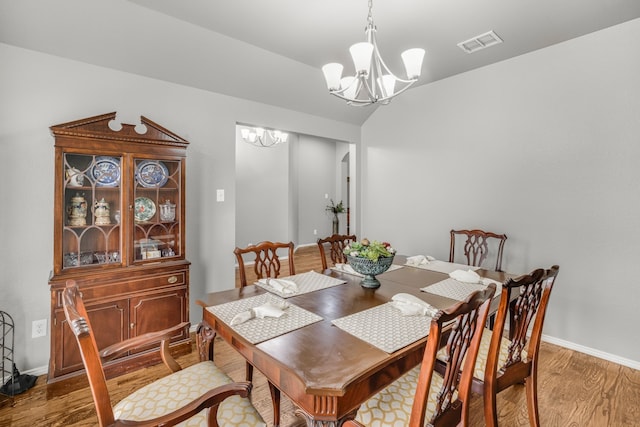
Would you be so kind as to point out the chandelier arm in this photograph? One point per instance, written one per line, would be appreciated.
(384, 65)
(371, 93)
(388, 98)
(354, 102)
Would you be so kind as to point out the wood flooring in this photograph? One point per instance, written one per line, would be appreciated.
(574, 390)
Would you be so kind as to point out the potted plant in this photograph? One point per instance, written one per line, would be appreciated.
(370, 258)
(336, 209)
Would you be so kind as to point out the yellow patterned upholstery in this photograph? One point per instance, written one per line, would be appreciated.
(391, 407)
(182, 387)
(481, 361)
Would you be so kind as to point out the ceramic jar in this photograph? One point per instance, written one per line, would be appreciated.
(101, 212)
(77, 211)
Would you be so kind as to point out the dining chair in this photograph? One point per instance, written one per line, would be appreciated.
(200, 394)
(503, 362)
(266, 263)
(476, 246)
(335, 244)
(423, 397)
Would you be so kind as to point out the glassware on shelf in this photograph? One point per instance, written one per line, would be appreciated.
(167, 211)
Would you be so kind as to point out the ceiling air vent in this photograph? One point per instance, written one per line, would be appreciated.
(480, 42)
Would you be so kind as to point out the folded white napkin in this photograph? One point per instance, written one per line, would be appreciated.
(418, 260)
(468, 276)
(410, 305)
(281, 285)
(268, 309)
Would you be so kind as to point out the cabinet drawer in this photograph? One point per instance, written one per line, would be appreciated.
(116, 290)
(175, 278)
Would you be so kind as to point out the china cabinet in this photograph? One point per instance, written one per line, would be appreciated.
(119, 211)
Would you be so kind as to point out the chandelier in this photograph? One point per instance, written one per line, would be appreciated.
(261, 137)
(373, 81)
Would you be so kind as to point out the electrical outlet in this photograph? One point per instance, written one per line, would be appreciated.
(220, 195)
(315, 232)
(39, 328)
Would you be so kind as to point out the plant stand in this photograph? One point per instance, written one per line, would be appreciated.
(15, 383)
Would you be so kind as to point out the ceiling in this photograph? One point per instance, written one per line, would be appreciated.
(272, 51)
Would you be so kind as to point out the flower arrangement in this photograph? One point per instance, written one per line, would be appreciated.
(335, 209)
(370, 250)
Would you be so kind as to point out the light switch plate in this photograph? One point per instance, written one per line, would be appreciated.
(220, 195)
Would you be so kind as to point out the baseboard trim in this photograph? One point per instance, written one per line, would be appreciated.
(305, 245)
(40, 370)
(592, 352)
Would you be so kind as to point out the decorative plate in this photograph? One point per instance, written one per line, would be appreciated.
(151, 173)
(106, 171)
(145, 209)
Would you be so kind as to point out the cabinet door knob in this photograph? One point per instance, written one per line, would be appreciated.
(132, 325)
(173, 279)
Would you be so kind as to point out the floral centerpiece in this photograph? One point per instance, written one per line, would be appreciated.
(369, 259)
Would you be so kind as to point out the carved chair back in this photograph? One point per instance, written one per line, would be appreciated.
(462, 325)
(266, 260)
(476, 246)
(516, 360)
(335, 245)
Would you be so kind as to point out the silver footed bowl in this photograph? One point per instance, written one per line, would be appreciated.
(370, 269)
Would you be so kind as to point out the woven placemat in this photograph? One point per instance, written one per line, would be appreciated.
(385, 327)
(450, 288)
(306, 282)
(257, 330)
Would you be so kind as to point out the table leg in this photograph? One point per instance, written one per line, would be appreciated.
(275, 399)
(312, 422)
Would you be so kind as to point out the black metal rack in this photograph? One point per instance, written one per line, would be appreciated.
(13, 382)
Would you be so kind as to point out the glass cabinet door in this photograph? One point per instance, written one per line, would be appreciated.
(92, 199)
(156, 209)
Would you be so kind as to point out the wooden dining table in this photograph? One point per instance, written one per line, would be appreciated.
(327, 372)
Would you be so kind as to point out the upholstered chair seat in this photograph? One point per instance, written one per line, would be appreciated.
(178, 389)
(391, 407)
(483, 352)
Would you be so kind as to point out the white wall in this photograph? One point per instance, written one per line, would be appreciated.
(316, 178)
(543, 147)
(38, 91)
(280, 191)
(262, 196)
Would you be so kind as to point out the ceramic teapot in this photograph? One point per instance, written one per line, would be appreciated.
(75, 177)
